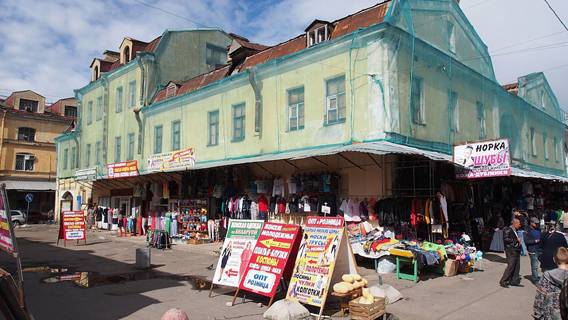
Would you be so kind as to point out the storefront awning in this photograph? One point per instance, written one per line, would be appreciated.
(30, 185)
(537, 175)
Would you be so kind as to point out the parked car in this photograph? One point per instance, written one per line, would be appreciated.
(18, 217)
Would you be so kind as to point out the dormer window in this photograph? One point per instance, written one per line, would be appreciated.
(171, 90)
(317, 32)
(126, 54)
(96, 73)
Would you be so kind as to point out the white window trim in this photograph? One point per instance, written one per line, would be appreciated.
(422, 104)
(545, 143)
(533, 141)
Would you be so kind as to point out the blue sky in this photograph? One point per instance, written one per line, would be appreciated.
(47, 46)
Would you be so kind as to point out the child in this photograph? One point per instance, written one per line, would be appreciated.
(547, 300)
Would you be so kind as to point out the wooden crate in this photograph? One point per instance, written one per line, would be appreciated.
(367, 311)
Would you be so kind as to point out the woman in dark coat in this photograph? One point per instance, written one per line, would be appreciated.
(550, 241)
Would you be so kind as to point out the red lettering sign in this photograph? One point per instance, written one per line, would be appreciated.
(73, 226)
(270, 259)
(123, 169)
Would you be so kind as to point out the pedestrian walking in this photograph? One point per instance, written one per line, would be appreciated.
(532, 241)
(547, 300)
(550, 241)
(513, 253)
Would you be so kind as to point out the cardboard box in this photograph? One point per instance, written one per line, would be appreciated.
(451, 268)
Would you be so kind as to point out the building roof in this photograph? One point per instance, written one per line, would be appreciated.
(362, 19)
(10, 100)
(34, 115)
(59, 105)
(137, 46)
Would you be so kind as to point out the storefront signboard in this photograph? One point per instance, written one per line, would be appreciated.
(482, 159)
(6, 230)
(123, 169)
(172, 160)
(89, 174)
(74, 225)
(270, 259)
(323, 256)
(241, 236)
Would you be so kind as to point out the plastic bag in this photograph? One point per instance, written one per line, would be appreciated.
(386, 291)
(386, 265)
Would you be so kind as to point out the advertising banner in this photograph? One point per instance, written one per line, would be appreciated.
(483, 159)
(6, 236)
(316, 260)
(89, 174)
(172, 160)
(74, 225)
(122, 169)
(237, 251)
(270, 258)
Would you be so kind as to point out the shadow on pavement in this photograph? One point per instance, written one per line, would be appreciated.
(494, 257)
(65, 295)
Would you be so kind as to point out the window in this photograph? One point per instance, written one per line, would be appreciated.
(542, 99)
(25, 162)
(451, 37)
(126, 54)
(26, 134)
(481, 120)
(296, 109)
(90, 112)
(70, 111)
(215, 55)
(533, 142)
(118, 102)
(158, 130)
(454, 111)
(99, 110)
(239, 122)
(96, 73)
(335, 100)
(88, 156)
(545, 143)
(318, 35)
(73, 157)
(132, 94)
(117, 148)
(556, 150)
(98, 153)
(176, 135)
(130, 147)
(213, 120)
(28, 105)
(417, 101)
(171, 90)
(65, 158)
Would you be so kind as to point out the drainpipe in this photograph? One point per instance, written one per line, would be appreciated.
(106, 111)
(2, 133)
(143, 102)
(256, 87)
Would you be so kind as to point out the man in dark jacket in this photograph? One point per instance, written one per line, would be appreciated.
(532, 240)
(550, 241)
(513, 253)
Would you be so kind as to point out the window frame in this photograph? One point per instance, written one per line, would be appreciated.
(89, 112)
(481, 120)
(176, 136)
(452, 45)
(21, 135)
(24, 162)
(556, 149)
(337, 96)
(99, 108)
(419, 117)
(299, 108)
(73, 158)
(68, 107)
(98, 153)
(158, 142)
(131, 145)
(210, 124)
(210, 47)
(117, 149)
(118, 99)
(65, 158)
(545, 146)
(533, 142)
(88, 155)
(238, 119)
(34, 104)
(132, 94)
(454, 106)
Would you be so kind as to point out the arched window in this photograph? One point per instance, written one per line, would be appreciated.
(26, 134)
(126, 54)
(96, 73)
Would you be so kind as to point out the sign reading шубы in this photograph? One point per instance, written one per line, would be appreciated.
(73, 225)
(482, 159)
(316, 260)
(270, 259)
(122, 169)
(171, 160)
(237, 251)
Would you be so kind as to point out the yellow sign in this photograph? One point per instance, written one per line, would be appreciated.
(271, 243)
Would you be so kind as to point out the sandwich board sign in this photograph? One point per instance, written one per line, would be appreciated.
(241, 237)
(271, 259)
(323, 257)
(72, 227)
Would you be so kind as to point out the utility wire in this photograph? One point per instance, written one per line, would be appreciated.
(527, 41)
(172, 14)
(557, 17)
